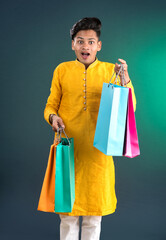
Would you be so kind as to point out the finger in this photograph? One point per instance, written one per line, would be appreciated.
(60, 123)
(117, 67)
(54, 129)
(125, 66)
(121, 60)
(55, 125)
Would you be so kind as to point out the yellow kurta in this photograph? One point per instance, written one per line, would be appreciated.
(75, 97)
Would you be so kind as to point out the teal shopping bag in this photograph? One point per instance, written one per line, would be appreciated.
(111, 122)
(65, 176)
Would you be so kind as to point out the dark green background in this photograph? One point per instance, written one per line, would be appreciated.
(34, 40)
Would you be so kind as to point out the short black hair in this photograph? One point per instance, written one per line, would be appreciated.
(88, 23)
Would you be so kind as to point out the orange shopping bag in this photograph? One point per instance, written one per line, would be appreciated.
(47, 195)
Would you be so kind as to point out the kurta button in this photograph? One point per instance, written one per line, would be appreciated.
(84, 109)
(84, 91)
(84, 79)
(84, 102)
(84, 97)
(84, 85)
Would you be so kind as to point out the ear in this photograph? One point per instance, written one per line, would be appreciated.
(72, 45)
(99, 44)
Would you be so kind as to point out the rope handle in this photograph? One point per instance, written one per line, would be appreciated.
(117, 75)
(59, 137)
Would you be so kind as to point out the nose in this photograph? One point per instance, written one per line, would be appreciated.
(85, 46)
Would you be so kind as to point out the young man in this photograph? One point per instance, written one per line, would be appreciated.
(73, 104)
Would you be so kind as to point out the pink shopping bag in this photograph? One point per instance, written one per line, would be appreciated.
(131, 145)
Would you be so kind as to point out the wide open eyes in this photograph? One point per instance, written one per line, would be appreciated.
(81, 42)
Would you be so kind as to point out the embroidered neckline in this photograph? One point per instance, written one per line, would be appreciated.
(90, 66)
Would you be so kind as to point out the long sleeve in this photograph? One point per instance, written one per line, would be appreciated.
(54, 98)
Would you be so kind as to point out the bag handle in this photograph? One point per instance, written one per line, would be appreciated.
(117, 75)
(59, 132)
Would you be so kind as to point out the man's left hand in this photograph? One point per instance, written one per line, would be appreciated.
(117, 68)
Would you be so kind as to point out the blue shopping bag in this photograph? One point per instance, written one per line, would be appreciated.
(111, 122)
(65, 176)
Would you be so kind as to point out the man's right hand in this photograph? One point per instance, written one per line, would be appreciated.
(57, 123)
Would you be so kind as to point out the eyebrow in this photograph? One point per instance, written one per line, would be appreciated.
(88, 38)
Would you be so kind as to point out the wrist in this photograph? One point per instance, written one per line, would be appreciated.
(128, 81)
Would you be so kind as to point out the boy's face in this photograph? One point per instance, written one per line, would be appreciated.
(86, 45)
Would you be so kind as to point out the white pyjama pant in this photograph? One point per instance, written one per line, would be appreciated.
(90, 229)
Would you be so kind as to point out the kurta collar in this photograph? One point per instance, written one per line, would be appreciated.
(90, 66)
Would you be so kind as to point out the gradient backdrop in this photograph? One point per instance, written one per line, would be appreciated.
(34, 40)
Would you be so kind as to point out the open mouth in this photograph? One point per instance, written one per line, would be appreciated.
(85, 54)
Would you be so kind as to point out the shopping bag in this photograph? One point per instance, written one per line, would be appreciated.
(47, 195)
(131, 145)
(65, 176)
(58, 189)
(111, 121)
